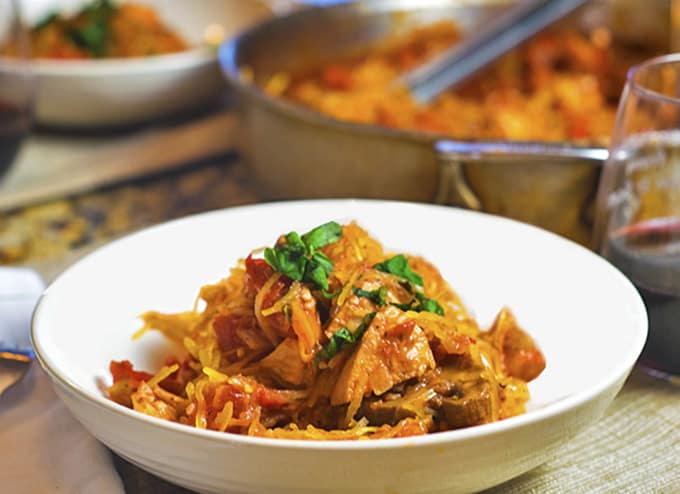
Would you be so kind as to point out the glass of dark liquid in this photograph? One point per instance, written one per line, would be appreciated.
(17, 84)
(638, 205)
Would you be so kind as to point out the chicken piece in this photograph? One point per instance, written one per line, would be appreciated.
(354, 308)
(238, 330)
(520, 357)
(285, 309)
(285, 366)
(392, 350)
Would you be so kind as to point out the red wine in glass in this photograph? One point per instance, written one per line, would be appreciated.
(17, 84)
(14, 126)
(649, 254)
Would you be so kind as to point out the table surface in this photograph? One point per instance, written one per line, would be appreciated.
(635, 447)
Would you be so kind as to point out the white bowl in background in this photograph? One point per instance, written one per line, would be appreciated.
(584, 314)
(112, 92)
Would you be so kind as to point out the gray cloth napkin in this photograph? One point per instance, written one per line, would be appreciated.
(44, 448)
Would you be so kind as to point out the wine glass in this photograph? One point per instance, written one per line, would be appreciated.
(17, 87)
(638, 204)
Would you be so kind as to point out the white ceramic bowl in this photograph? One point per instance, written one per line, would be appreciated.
(96, 93)
(586, 317)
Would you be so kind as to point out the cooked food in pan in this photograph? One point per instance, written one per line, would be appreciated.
(328, 336)
(102, 29)
(562, 85)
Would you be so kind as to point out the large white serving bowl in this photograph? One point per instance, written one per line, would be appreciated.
(112, 92)
(586, 317)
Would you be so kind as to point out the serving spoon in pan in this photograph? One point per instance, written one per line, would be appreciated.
(474, 53)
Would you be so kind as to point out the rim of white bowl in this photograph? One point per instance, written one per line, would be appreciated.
(558, 407)
(119, 66)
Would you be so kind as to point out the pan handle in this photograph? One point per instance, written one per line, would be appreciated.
(453, 187)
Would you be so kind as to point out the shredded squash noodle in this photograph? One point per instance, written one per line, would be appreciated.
(327, 336)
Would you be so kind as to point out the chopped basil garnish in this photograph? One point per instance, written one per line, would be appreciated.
(377, 296)
(343, 338)
(427, 305)
(322, 235)
(398, 266)
(93, 33)
(299, 259)
(340, 339)
(422, 304)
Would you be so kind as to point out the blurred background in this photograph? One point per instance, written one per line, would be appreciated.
(128, 116)
(116, 115)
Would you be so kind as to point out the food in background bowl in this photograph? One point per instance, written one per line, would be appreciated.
(102, 29)
(329, 337)
(132, 62)
(562, 85)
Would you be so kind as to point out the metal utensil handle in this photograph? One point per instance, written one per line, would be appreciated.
(468, 57)
(453, 187)
(513, 151)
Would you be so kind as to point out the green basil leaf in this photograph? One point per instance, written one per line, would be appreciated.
(329, 295)
(93, 32)
(340, 339)
(365, 323)
(403, 307)
(270, 257)
(378, 296)
(317, 270)
(322, 235)
(343, 338)
(91, 36)
(421, 304)
(398, 266)
(287, 261)
(298, 258)
(293, 239)
(316, 275)
(430, 305)
(322, 260)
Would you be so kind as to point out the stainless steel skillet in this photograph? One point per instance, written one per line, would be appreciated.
(298, 153)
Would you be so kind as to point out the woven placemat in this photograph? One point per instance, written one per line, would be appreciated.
(634, 448)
